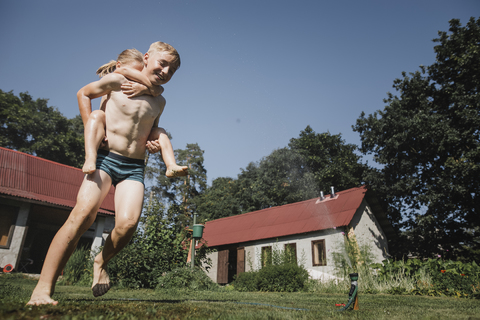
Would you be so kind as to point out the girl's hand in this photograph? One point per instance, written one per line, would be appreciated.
(134, 89)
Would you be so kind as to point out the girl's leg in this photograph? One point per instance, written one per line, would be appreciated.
(94, 135)
(173, 170)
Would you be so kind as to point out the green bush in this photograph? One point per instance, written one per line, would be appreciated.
(186, 278)
(287, 277)
(282, 278)
(280, 273)
(155, 249)
(79, 268)
(246, 281)
(433, 277)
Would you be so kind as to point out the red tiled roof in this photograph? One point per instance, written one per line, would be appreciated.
(301, 217)
(29, 177)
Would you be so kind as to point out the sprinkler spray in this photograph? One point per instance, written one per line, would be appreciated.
(353, 294)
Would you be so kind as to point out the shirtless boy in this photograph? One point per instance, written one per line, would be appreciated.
(128, 125)
(130, 64)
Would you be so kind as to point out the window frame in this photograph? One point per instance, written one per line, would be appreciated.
(266, 250)
(322, 261)
(13, 212)
(293, 246)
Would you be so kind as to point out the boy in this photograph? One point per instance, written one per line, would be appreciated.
(129, 63)
(129, 122)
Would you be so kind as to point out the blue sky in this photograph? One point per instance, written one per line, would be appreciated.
(254, 73)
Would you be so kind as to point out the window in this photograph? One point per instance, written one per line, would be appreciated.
(266, 256)
(8, 217)
(319, 254)
(291, 252)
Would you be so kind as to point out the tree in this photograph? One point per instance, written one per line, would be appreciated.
(332, 161)
(180, 194)
(427, 140)
(311, 163)
(33, 127)
(219, 200)
(280, 178)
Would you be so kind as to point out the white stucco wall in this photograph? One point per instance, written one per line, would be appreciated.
(367, 230)
(332, 237)
(369, 233)
(212, 272)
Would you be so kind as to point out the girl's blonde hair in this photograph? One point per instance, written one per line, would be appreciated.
(165, 47)
(127, 56)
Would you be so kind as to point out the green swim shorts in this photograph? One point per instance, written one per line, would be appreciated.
(119, 167)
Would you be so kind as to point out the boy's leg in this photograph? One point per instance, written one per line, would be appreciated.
(91, 194)
(94, 135)
(128, 208)
(173, 170)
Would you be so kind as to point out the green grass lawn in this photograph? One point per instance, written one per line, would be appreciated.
(78, 303)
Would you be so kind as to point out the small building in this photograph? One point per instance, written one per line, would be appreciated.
(36, 197)
(311, 229)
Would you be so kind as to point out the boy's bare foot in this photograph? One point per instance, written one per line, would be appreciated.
(176, 171)
(41, 296)
(101, 281)
(90, 165)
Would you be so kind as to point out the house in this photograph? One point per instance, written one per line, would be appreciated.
(36, 197)
(312, 229)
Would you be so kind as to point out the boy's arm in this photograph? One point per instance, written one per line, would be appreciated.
(136, 76)
(97, 89)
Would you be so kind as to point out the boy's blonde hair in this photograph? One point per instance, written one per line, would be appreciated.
(165, 47)
(127, 56)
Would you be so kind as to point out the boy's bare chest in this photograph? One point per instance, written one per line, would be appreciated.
(138, 108)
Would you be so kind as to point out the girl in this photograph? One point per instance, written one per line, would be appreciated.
(129, 63)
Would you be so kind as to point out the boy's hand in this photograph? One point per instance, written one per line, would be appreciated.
(134, 89)
(153, 146)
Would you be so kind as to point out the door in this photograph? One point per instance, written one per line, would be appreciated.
(222, 267)
(240, 260)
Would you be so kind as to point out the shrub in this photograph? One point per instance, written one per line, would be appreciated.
(287, 277)
(79, 268)
(246, 281)
(279, 273)
(433, 277)
(186, 278)
(282, 278)
(156, 248)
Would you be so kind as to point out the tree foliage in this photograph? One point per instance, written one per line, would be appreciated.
(332, 161)
(32, 127)
(180, 194)
(427, 139)
(311, 163)
(156, 248)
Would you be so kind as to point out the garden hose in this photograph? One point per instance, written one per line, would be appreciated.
(352, 295)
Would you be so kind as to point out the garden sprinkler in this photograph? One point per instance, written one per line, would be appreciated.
(353, 294)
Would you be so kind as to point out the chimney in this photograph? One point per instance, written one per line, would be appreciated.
(321, 196)
(332, 192)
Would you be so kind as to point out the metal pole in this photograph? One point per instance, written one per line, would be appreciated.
(193, 239)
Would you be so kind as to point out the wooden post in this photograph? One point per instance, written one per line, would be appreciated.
(355, 303)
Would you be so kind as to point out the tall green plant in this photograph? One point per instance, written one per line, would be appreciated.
(350, 256)
(154, 250)
(79, 268)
